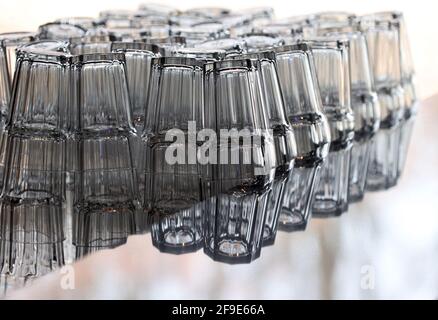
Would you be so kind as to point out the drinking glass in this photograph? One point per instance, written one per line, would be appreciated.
(84, 22)
(200, 53)
(60, 31)
(170, 178)
(366, 109)
(31, 237)
(237, 192)
(231, 46)
(106, 194)
(332, 66)
(407, 78)
(303, 108)
(169, 43)
(284, 139)
(158, 9)
(256, 42)
(384, 53)
(199, 32)
(8, 45)
(91, 44)
(31, 240)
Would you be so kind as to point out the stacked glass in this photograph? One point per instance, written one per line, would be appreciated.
(33, 194)
(384, 53)
(236, 193)
(303, 108)
(333, 74)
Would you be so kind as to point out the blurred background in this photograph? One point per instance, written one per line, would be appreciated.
(384, 247)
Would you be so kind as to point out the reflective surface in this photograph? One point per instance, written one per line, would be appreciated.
(384, 247)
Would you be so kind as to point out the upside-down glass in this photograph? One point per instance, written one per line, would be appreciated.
(84, 22)
(236, 192)
(256, 42)
(303, 110)
(91, 44)
(284, 139)
(60, 31)
(33, 193)
(384, 54)
(105, 184)
(171, 173)
(231, 46)
(366, 110)
(8, 45)
(157, 8)
(168, 44)
(407, 83)
(200, 53)
(333, 73)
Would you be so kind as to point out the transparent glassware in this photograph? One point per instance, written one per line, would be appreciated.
(291, 33)
(231, 46)
(333, 16)
(60, 31)
(157, 8)
(91, 44)
(303, 108)
(138, 58)
(117, 14)
(199, 32)
(384, 54)
(170, 175)
(125, 33)
(200, 53)
(259, 15)
(35, 166)
(101, 129)
(84, 22)
(284, 139)
(169, 43)
(333, 73)
(237, 192)
(31, 240)
(180, 232)
(8, 45)
(366, 108)
(37, 124)
(256, 42)
(156, 30)
(407, 78)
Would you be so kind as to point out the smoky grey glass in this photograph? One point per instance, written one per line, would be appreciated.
(284, 139)
(171, 187)
(60, 31)
(384, 53)
(105, 190)
(237, 192)
(303, 108)
(333, 73)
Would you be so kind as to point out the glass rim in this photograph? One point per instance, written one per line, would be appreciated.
(119, 46)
